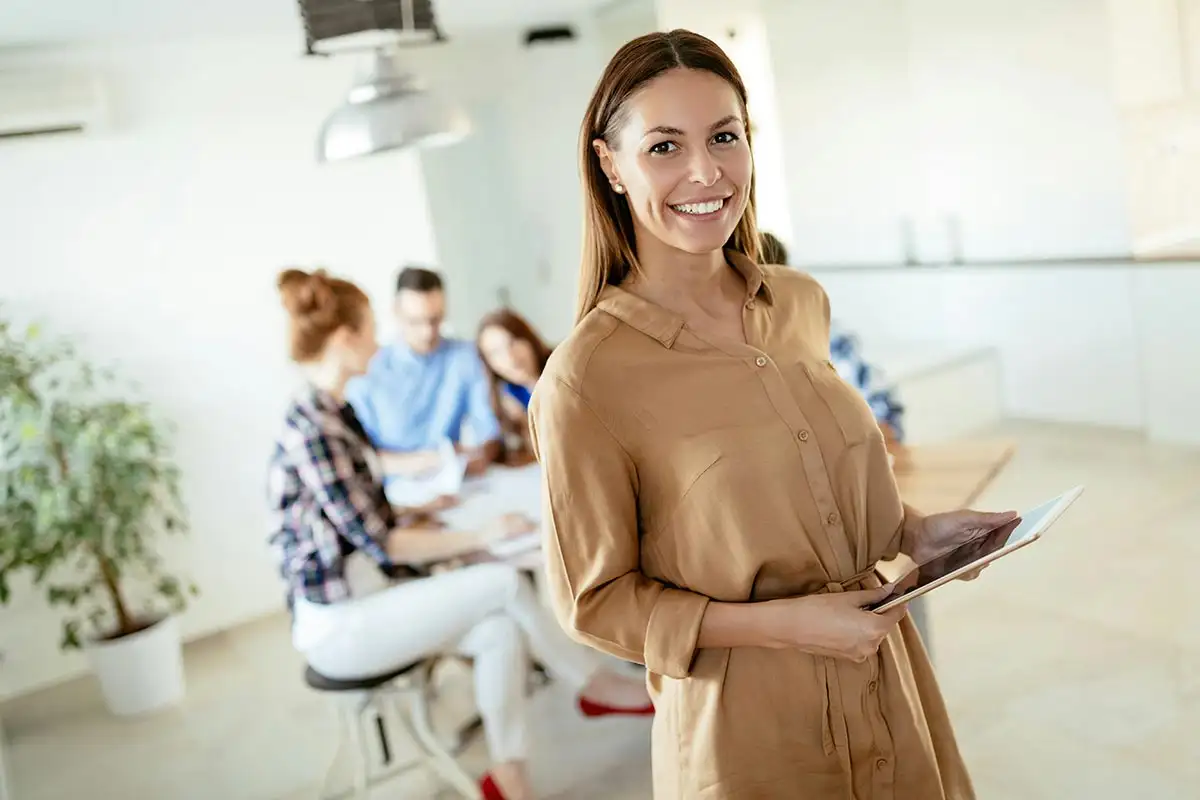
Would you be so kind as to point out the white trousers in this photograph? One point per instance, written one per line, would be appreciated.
(489, 612)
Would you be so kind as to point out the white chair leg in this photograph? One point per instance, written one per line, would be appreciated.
(343, 731)
(358, 748)
(434, 750)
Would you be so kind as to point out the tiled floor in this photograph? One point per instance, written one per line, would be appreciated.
(1072, 670)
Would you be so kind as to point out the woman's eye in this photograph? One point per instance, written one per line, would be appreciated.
(662, 148)
(726, 137)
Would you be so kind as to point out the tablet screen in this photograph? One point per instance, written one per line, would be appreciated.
(981, 546)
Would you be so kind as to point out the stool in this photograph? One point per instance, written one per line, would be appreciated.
(408, 691)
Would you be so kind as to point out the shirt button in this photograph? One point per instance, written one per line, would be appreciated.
(802, 436)
(750, 303)
(872, 686)
(761, 361)
(881, 764)
(831, 519)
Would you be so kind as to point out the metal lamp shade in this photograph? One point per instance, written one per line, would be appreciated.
(388, 110)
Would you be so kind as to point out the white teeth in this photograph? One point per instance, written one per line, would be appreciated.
(700, 208)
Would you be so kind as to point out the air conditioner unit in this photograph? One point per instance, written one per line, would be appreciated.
(43, 103)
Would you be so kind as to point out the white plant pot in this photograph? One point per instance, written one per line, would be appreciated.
(142, 672)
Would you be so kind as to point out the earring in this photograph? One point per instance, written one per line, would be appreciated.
(619, 187)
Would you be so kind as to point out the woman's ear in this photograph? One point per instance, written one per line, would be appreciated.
(339, 340)
(604, 154)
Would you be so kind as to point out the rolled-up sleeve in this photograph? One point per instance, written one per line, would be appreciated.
(592, 546)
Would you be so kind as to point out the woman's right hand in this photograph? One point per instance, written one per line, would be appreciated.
(510, 525)
(835, 624)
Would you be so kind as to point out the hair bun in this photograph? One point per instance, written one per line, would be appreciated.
(308, 296)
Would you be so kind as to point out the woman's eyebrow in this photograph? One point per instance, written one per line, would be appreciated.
(669, 131)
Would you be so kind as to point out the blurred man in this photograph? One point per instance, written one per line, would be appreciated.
(424, 388)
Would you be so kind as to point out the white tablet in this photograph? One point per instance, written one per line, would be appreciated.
(977, 552)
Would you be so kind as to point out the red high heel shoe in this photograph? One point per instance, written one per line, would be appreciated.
(590, 708)
(487, 785)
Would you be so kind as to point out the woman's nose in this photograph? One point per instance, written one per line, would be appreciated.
(705, 169)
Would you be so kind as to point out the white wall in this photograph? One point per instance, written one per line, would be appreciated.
(1111, 345)
(841, 73)
(997, 112)
(1166, 300)
(158, 242)
(515, 185)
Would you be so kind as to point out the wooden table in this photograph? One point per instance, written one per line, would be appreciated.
(944, 477)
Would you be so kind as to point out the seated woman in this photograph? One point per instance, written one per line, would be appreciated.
(514, 357)
(329, 512)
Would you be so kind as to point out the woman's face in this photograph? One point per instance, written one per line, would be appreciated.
(354, 349)
(511, 358)
(682, 158)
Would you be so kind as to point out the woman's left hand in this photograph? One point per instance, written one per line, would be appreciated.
(938, 533)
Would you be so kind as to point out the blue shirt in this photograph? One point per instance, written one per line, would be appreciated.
(410, 402)
(518, 393)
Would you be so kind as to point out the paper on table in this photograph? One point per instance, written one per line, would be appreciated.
(447, 479)
(516, 545)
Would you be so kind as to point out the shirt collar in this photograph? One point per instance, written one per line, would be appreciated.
(663, 325)
(321, 400)
(401, 353)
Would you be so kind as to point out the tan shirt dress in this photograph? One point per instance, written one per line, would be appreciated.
(678, 470)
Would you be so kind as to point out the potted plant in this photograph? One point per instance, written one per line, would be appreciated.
(87, 485)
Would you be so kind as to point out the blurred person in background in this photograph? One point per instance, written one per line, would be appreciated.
(329, 513)
(425, 388)
(514, 356)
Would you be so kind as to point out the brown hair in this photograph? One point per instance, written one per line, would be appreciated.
(608, 240)
(319, 305)
(771, 250)
(518, 328)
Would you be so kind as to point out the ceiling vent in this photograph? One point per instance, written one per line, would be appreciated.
(332, 25)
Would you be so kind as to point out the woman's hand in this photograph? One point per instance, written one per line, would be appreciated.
(519, 458)
(509, 526)
(835, 625)
(931, 536)
(441, 503)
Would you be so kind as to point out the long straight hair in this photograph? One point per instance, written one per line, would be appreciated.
(609, 246)
(520, 329)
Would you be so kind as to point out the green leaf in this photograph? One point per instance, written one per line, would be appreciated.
(86, 472)
(70, 637)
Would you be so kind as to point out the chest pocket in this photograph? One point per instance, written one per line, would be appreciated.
(844, 403)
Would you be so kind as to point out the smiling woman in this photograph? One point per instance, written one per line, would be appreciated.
(668, 171)
(716, 495)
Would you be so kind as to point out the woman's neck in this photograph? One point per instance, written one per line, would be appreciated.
(679, 280)
(329, 379)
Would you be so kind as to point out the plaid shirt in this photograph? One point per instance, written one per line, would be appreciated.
(326, 502)
(846, 354)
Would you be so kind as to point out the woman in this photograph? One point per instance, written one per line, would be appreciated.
(328, 508)
(717, 496)
(514, 357)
